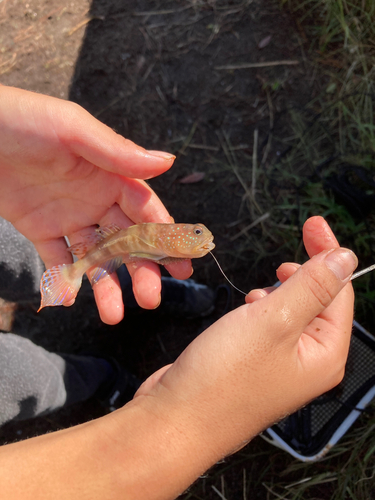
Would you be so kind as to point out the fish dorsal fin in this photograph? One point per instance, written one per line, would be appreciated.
(106, 231)
(81, 248)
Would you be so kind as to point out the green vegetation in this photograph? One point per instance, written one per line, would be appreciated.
(327, 163)
(335, 136)
(326, 167)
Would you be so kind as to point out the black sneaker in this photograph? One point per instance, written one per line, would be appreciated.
(179, 298)
(120, 389)
(186, 298)
(311, 432)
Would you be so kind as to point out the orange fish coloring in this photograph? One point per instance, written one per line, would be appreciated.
(113, 246)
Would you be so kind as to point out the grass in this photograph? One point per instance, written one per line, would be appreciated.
(326, 167)
(328, 143)
(331, 160)
(327, 163)
(261, 472)
(350, 467)
(334, 138)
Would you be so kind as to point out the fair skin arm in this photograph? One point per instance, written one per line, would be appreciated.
(62, 172)
(250, 368)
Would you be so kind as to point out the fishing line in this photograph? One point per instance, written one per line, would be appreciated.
(354, 276)
(225, 276)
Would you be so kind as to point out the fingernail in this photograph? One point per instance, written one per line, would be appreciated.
(258, 293)
(159, 302)
(162, 154)
(342, 262)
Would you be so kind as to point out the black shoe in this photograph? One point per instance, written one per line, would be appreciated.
(186, 299)
(312, 431)
(120, 389)
(179, 298)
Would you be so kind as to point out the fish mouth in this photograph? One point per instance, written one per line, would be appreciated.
(208, 246)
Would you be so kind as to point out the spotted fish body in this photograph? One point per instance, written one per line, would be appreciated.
(112, 246)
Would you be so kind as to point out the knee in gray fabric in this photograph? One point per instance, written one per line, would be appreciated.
(20, 265)
(31, 379)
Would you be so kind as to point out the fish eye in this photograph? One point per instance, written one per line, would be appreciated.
(198, 231)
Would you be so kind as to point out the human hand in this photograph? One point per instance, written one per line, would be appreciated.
(252, 367)
(62, 172)
(317, 237)
(265, 359)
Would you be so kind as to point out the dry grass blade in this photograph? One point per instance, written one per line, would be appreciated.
(188, 138)
(276, 495)
(229, 153)
(83, 23)
(255, 165)
(161, 12)
(243, 231)
(218, 492)
(203, 146)
(285, 62)
(8, 64)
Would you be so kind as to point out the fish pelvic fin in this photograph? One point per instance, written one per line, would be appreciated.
(105, 269)
(58, 287)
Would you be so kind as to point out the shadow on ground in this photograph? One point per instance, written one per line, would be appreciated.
(161, 74)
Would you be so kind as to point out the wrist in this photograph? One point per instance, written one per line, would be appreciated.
(159, 448)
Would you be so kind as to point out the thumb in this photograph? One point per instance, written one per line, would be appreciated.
(312, 289)
(101, 146)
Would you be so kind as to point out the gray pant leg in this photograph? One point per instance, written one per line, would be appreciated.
(20, 265)
(34, 381)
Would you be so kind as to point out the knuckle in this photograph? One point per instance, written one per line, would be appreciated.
(318, 287)
(74, 108)
(339, 376)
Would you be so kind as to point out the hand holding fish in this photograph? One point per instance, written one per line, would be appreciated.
(62, 173)
(252, 367)
(153, 242)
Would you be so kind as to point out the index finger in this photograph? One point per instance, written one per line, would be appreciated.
(318, 236)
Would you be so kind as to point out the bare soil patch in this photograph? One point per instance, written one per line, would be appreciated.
(164, 75)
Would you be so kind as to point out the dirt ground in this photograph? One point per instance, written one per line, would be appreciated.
(204, 79)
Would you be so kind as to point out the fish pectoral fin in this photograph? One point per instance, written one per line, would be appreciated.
(170, 260)
(143, 255)
(159, 259)
(105, 269)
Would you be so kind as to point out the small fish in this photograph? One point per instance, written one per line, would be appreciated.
(111, 246)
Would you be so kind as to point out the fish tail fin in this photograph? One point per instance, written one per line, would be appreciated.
(59, 286)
